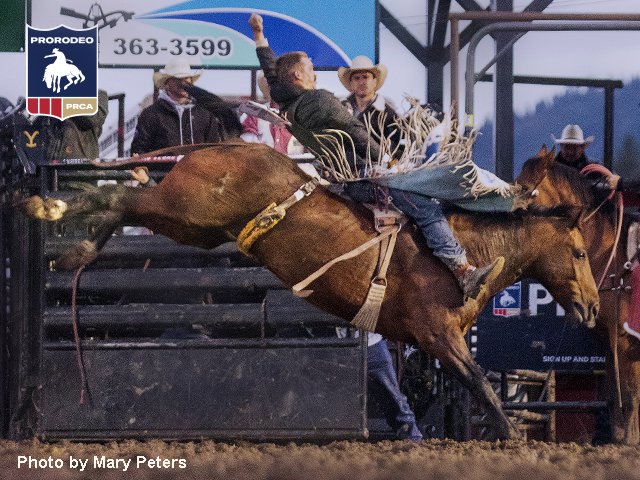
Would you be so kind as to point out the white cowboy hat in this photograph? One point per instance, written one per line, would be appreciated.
(362, 64)
(572, 134)
(176, 68)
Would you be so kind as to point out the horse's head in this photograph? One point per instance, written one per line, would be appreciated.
(563, 266)
(555, 184)
(47, 78)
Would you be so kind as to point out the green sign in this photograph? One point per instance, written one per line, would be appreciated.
(12, 22)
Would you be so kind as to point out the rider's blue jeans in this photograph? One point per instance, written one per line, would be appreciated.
(428, 215)
(383, 385)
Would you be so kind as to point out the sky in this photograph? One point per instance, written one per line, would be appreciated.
(603, 55)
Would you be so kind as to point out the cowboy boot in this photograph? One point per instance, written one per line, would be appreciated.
(474, 278)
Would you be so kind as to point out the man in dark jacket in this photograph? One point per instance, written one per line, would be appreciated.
(311, 112)
(363, 79)
(572, 154)
(175, 118)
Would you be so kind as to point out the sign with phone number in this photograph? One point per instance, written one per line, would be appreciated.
(149, 33)
(206, 47)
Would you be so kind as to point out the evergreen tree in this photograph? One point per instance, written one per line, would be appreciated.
(627, 160)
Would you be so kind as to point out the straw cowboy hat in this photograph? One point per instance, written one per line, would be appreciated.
(362, 64)
(176, 68)
(572, 134)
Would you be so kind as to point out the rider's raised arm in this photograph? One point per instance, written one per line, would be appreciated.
(266, 56)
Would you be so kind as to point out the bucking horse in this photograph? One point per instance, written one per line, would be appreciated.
(212, 194)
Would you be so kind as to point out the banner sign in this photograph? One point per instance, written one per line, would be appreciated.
(62, 71)
(216, 33)
(525, 328)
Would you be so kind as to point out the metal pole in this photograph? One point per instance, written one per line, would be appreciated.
(608, 127)
(455, 51)
(518, 26)
(503, 120)
(487, 16)
(121, 127)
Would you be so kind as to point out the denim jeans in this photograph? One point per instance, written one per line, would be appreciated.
(383, 385)
(428, 215)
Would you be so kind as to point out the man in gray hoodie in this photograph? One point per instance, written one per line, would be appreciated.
(175, 118)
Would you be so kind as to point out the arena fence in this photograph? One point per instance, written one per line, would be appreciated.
(176, 342)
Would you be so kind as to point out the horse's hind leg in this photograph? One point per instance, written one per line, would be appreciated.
(452, 351)
(87, 250)
(95, 200)
(111, 202)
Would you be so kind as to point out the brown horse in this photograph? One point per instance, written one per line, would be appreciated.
(560, 184)
(211, 194)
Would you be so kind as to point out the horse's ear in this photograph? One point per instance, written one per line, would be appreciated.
(548, 158)
(542, 152)
(536, 168)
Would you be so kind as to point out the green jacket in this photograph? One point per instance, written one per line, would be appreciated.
(314, 112)
(77, 137)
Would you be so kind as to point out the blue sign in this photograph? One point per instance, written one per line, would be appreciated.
(331, 33)
(150, 33)
(62, 71)
(537, 337)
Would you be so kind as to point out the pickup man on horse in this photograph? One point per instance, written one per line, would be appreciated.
(314, 111)
(572, 153)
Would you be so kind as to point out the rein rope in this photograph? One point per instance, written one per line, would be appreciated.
(619, 206)
(619, 210)
(84, 383)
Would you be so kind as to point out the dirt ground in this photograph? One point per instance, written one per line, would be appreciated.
(434, 459)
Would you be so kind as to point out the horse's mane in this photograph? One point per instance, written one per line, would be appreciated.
(561, 175)
(561, 211)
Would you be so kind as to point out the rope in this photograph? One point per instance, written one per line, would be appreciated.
(298, 288)
(619, 206)
(367, 316)
(84, 384)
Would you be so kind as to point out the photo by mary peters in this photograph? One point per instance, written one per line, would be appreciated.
(101, 462)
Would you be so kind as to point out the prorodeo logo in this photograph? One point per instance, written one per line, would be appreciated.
(62, 71)
(508, 302)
